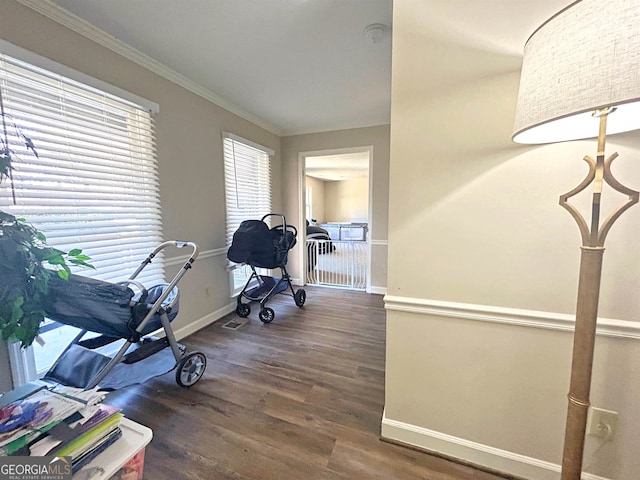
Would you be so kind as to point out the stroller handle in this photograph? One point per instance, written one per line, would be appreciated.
(185, 268)
(178, 244)
(170, 243)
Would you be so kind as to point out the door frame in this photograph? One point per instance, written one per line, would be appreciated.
(302, 156)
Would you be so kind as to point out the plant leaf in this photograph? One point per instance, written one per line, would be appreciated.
(80, 263)
(20, 333)
(55, 259)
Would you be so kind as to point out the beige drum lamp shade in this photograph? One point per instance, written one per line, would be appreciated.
(583, 59)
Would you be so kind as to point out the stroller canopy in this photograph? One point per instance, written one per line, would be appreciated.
(256, 244)
(110, 309)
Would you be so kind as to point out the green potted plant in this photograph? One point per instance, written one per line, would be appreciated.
(26, 262)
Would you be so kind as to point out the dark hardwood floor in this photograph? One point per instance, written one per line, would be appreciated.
(300, 398)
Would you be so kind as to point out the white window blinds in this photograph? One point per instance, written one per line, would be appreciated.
(247, 179)
(247, 175)
(93, 184)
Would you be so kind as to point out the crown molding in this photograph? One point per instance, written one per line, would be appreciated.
(90, 31)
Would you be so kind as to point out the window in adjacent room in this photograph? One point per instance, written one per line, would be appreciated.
(247, 178)
(309, 203)
(93, 184)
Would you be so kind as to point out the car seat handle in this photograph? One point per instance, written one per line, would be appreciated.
(144, 293)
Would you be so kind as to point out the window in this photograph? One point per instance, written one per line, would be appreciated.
(309, 203)
(247, 178)
(93, 184)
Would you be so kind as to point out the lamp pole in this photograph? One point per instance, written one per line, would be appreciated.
(583, 58)
(592, 252)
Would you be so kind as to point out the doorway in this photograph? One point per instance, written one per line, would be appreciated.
(335, 206)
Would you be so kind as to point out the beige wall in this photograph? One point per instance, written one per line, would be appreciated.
(378, 138)
(483, 268)
(189, 148)
(347, 200)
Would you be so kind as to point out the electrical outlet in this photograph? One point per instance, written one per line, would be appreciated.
(602, 423)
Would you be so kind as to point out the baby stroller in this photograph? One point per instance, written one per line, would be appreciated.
(115, 312)
(257, 245)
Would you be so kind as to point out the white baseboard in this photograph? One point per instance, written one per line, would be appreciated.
(204, 321)
(372, 289)
(472, 452)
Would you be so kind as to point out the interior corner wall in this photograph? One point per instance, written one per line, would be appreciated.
(189, 150)
(378, 137)
(483, 270)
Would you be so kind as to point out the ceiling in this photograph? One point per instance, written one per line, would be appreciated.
(299, 66)
(344, 166)
(303, 66)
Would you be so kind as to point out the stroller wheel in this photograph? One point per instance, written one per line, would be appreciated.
(300, 297)
(267, 315)
(190, 369)
(243, 310)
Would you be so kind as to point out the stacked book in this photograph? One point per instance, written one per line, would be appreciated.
(58, 421)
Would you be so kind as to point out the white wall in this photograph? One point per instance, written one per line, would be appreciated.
(483, 268)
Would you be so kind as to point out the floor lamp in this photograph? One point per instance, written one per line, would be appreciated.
(581, 79)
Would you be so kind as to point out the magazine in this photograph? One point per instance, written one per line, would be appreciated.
(34, 414)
